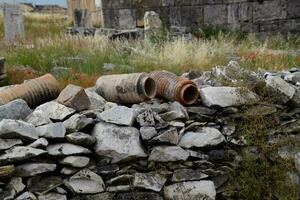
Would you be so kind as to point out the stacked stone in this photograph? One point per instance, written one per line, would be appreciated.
(82, 147)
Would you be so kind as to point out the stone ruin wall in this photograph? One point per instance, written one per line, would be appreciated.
(245, 15)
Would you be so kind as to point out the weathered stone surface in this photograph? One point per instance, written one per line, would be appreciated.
(149, 181)
(17, 109)
(204, 137)
(55, 110)
(52, 196)
(52, 131)
(188, 175)
(168, 154)
(8, 194)
(75, 161)
(297, 162)
(226, 96)
(26, 196)
(119, 115)
(85, 182)
(194, 190)
(41, 185)
(167, 136)
(97, 102)
(16, 184)
(117, 143)
(17, 129)
(148, 132)
(104, 196)
(74, 97)
(146, 118)
(69, 170)
(39, 143)
(279, 89)
(6, 171)
(139, 195)
(66, 149)
(81, 139)
(32, 169)
(38, 118)
(8, 143)
(77, 122)
(19, 154)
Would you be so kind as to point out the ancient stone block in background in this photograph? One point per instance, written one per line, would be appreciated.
(215, 15)
(127, 19)
(205, 2)
(182, 2)
(175, 16)
(110, 18)
(167, 2)
(13, 22)
(192, 16)
(269, 10)
(246, 12)
(293, 8)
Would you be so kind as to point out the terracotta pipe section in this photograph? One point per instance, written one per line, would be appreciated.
(34, 92)
(126, 88)
(175, 88)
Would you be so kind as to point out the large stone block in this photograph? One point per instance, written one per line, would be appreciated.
(205, 2)
(293, 8)
(116, 4)
(192, 16)
(167, 2)
(269, 10)
(215, 15)
(175, 16)
(246, 12)
(110, 18)
(182, 2)
(127, 19)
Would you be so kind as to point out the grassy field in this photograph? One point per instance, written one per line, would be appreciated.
(47, 46)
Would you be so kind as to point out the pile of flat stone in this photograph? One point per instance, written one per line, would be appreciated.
(80, 146)
(2, 69)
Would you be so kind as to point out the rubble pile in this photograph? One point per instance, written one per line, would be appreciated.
(81, 146)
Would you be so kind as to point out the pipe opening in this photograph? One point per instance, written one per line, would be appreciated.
(190, 94)
(149, 87)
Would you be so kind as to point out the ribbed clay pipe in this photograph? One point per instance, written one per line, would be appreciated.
(34, 92)
(126, 88)
(175, 88)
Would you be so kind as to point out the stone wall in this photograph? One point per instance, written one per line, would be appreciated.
(247, 15)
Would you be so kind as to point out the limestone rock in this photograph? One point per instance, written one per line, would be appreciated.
(19, 154)
(226, 96)
(204, 137)
(38, 118)
(6, 171)
(152, 21)
(117, 143)
(119, 115)
(52, 196)
(39, 143)
(81, 139)
(32, 169)
(279, 89)
(139, 195)
(168, 154)
(17, 109)
(104, 196)
(85, 182)
(66, 149)
(8, 143)
(55, 110)
(42, 185)
(74, 97)
(149, 181)
(69, 170)
(26, 196)
(194, 190)
(97, 102)
(297, 162)
(17, 129)
(148, 133)
(146, 118)
(188, 175)
(167, 136)
(77, 122)
(16, 184)
(75, 161)
(52, 131)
